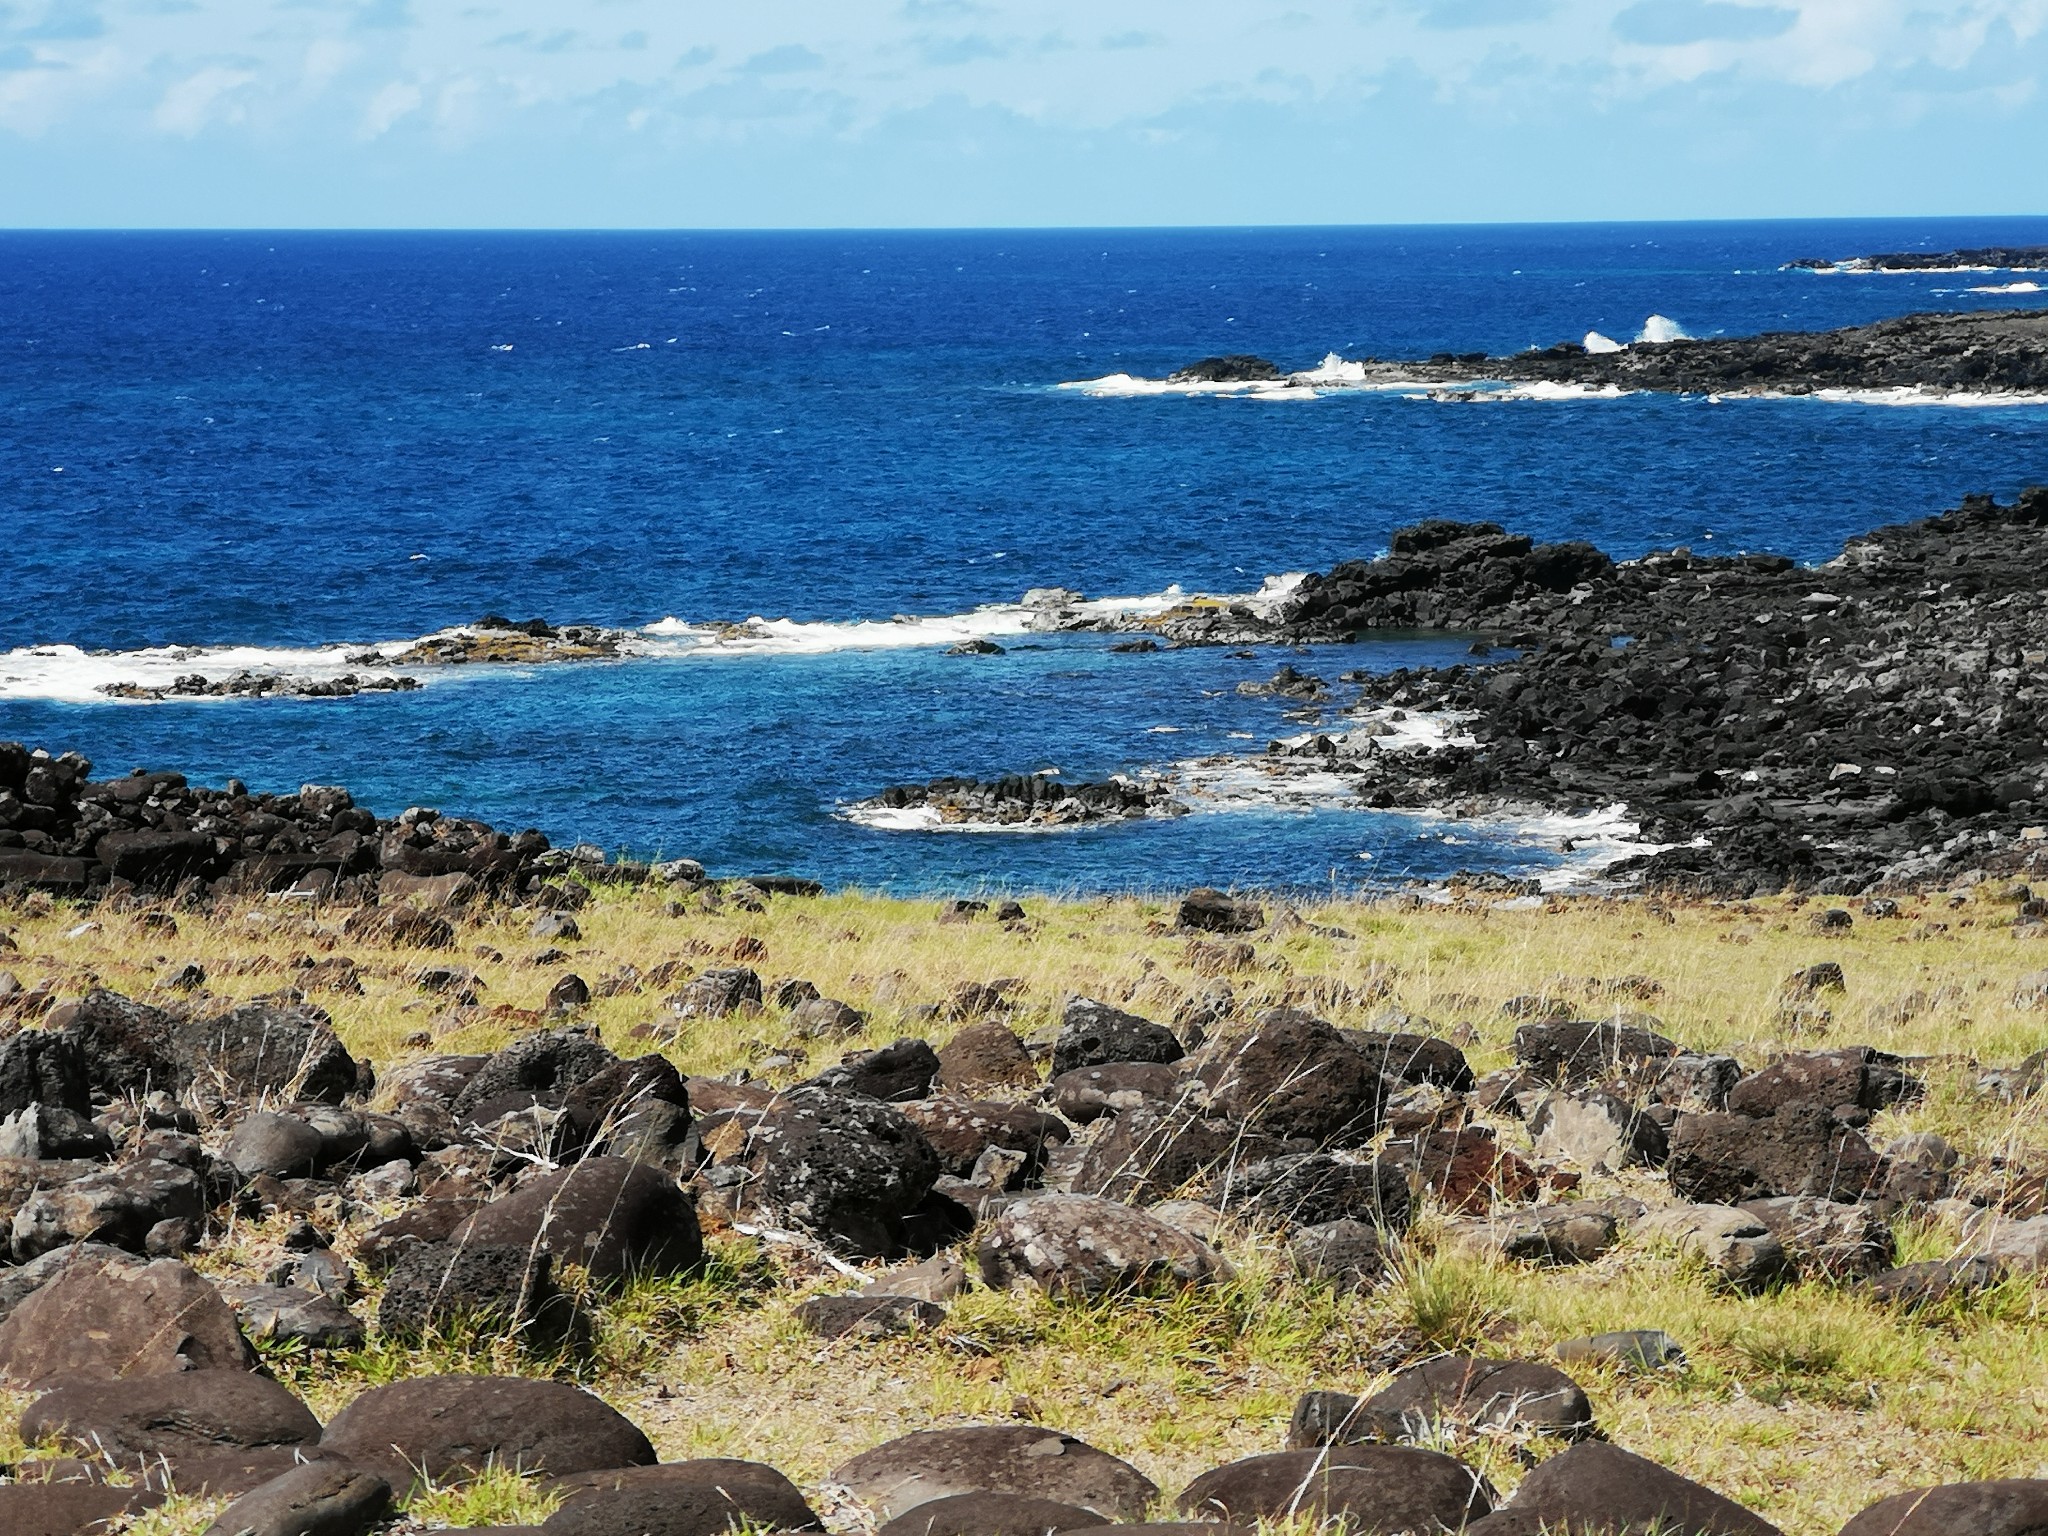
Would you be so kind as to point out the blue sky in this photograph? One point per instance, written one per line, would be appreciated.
(674, 113)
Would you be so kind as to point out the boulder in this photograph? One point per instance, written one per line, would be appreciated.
(1088, 1093)
(436, 1288)
(322, 1498)
(290, 1314)
(1932, 1281)
(1598, 1486)
(1350, 1255)
(1744, 1251)
(118, 1206)
(608, 1215)
(41, 1067)
(17, 1285)
(901, 1070)
(1594, 1132)
(69, 1509)
(1411, 1058)
(960, 1131)
(867, 1317)
(1553, 1234)
(986, 1056)
(903, 1474)
(1573, 1054)
(849, 1169)
(1374, 1487)
(1824, 1239)
(1515, 1395)
(106, 1321)
(1310, 1189)
(541, 1067)
(990, 1514)
(1725, 1159)
(1697, 1085)
(2013, 1506)
(1093, 1034)
(175, 1417)
(1857, 1078)
(1296, 1076)
(1083, 1246)
(262, 1050)
(679, 1498)
(1207, 910)
(446, 1429)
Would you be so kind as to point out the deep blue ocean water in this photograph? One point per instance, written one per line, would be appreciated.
(297, 440)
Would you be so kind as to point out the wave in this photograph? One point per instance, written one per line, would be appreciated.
(69, 675)
(1662, 328)
(1540, 390)
(1910, 394)
(2007, 288)
(1128, 386)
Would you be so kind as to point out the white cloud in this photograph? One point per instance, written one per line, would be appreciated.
(393, 103)
(199, 98)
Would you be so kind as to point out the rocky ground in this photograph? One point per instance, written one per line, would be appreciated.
(1875, 722)
(481, 1188)
(1986, 352)
(1996, 258)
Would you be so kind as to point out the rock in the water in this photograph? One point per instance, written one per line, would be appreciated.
(322, 1498)
(445, 1429)
(610, 1216)
(680, 1498)
(1374, 1487)
(848, 1169)
(1082, 1246)
(900, 1475)
(190, 1414)
(2012, 1506)
(1093, 1034)
(1598, 1486)
(100, 1322)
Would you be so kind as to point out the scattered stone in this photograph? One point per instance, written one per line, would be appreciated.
(1346, 1254)
(1379, 1487)
(1021, 1459)
(101, 1321)
(867, 1317)
(680, 1498)
(322, 1498)
(173, 1417)
(1599, 1486)
(445, 1429)
(2014, 1506)
(850, 1170)
(1738, 1245)
(1558, 1234)
(614, 1218)
(1800, 1150)
(1093, 1034)
(986, 1056)
(1078, 1245)
(1211, 911)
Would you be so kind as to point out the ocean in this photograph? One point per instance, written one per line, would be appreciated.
(266, 447)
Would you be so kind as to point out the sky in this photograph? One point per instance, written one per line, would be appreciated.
(835, 113)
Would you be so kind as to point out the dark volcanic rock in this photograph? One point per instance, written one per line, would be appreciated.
(1600, 1487)
(610, 1216)
(177, 1416)
(442, 1429)
(901, 1475)
(1377, 1487)
(848, 1169)
(322, 1498)
(2016, 1506)
(1083, 1246)
(99, 1322)
(1093, 1034)
(1235, 368)
(1503, 1394)
(1726, 1159)
(680, 1498)
(1296, 1076)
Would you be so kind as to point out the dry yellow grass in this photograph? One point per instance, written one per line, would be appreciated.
(1806, 1404)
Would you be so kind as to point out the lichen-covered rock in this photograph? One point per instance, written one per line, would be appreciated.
(849, 1169)
(1078, 1245)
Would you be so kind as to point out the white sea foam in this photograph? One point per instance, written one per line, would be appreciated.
(1128, 386)
(1662, 328)
(1601, 346)
(1549, 390)
(1909, 394)
(67, 674)
(2007, 288)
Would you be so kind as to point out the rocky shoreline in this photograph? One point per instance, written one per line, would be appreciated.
(1987, 353)
(1874, 723)
(1988, 258)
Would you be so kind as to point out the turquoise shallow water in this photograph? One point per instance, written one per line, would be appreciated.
(284, 441)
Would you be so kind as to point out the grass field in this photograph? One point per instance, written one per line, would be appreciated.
(1805, 1404)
